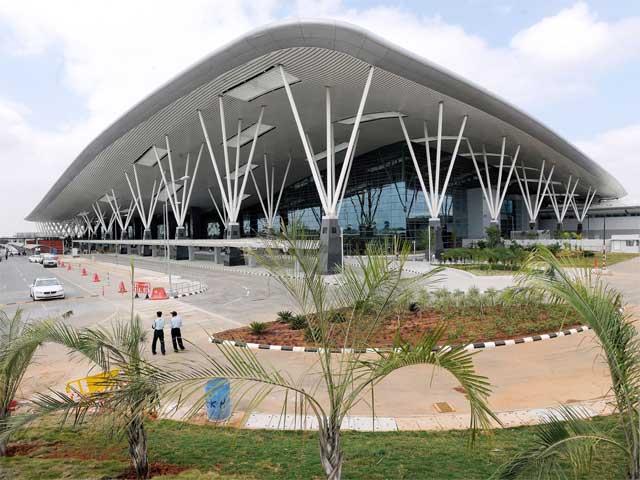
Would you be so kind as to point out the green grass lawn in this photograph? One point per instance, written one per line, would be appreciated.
(581, 262)
(612, 259)
(209, 452)
(483, 269)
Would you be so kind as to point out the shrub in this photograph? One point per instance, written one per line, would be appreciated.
(311, 334)
(337, 317)
(493, 236)
(285, 316)
(298, 322)
(258, 328)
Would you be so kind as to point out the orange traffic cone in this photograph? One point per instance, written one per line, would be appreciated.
(84, 272)
(68, 266)
(96, 278)
(121, 288)
(159, 293)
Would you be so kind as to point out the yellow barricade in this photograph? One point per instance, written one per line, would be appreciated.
(91, 384)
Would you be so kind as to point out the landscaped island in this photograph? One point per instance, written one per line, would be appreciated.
(468, 317)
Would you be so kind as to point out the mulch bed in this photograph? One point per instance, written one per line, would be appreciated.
(463, 325)
(59, 450)
(156, 469)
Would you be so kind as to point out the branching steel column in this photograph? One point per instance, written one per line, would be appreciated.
(533, 204)
(494, 202)
(145, 215)
(317, 179)
(580, 216)
(271, 209)
(434, 198)
(561, 209)
(233, 196)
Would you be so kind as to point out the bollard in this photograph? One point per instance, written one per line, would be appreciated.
(218, 399)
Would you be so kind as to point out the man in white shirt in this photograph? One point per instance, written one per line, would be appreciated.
(176, 334)
(158, 333)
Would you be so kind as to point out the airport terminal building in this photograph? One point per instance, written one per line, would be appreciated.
(330, 127)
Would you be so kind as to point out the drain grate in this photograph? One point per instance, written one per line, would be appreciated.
(443, 407)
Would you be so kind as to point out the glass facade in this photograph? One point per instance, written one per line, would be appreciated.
(383, 199)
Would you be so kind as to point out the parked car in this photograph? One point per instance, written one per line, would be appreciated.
(49, 260)
(43, 288)
(35, 259)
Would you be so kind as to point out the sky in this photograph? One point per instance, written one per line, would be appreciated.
(69, 69)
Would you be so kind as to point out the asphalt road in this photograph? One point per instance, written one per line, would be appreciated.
(17, 274)
(240, 297)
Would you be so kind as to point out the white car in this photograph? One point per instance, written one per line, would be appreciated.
(35, 258)
(46, 288)
(49, 260)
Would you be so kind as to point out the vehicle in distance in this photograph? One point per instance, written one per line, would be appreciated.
(49, 260)
(35, 258)
(43, 288)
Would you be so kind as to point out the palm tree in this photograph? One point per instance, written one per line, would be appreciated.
(12, 367)
(126, 397)
(363, 298)
(566, 437)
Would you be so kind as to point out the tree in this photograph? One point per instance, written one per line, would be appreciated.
(364, 297)
(567, 437)
(127, 393)
(12, 367)
(493, 236)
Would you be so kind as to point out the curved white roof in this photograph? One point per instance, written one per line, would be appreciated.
(319, 53)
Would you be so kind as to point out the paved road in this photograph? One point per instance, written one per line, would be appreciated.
(240, 297)
(525, 376)
(17, 274)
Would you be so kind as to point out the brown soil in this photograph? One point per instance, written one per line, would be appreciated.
(25, 448)
(156, 469)
(463, 325)
(57, 450)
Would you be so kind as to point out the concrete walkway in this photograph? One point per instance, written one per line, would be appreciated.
(526, 379)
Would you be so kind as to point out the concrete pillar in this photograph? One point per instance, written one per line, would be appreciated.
(147, 251)
(181, 252)
(330, 246)
(233, 255)
(437, 246)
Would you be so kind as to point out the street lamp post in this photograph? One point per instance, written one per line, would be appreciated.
(166, 240)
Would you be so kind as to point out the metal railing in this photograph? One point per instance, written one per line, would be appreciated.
(186, 287)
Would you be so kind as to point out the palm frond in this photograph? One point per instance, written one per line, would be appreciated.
(452, 359)
(566, 438)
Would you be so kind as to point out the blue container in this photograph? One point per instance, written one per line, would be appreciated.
(217, 399)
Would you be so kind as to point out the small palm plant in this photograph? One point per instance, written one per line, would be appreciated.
(12, 367)
(126, 396)
(365, 296)
(567, 437)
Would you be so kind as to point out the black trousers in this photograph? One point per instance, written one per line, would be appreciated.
(158, 335)
(176, 338)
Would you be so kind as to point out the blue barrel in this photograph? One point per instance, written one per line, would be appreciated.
(217, 399)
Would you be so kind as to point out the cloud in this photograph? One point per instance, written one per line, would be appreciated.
(33, 161)
(575, 37)
(618, 150)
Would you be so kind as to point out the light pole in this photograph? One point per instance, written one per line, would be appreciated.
(166, 241)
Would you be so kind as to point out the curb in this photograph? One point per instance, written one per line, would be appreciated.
(190, 293)
(469, 347)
